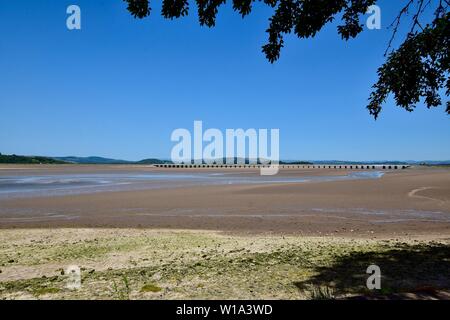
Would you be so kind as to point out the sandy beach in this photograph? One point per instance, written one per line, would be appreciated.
(249, 240)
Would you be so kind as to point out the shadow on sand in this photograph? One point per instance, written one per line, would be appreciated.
(407, 272)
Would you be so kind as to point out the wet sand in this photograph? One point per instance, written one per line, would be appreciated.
(414, 201)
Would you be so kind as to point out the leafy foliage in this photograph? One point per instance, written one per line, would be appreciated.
(419, 68)
(138, 8)
(28, 160)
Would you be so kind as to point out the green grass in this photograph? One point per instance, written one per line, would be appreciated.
(121, 291)
(43, 291)
(321, 293)
(150, 288)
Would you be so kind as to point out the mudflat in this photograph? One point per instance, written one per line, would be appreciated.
(209, 234)
(413, 201)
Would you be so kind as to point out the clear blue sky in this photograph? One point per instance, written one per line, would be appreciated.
(118, 87)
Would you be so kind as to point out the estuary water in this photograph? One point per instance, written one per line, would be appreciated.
(68, 184)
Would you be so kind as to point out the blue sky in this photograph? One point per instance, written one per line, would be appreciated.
(120, 86)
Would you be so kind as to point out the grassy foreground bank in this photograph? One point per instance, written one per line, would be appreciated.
(168, 264)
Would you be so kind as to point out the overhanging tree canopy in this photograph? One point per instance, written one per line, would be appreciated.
(417, 70)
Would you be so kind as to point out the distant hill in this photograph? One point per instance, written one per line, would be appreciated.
(92, 160)
(153, 161)
(432, 163)
(237, 160)
(358, 162)
(388, 162)
(28, 159)
(101, 160)
(295, 162)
